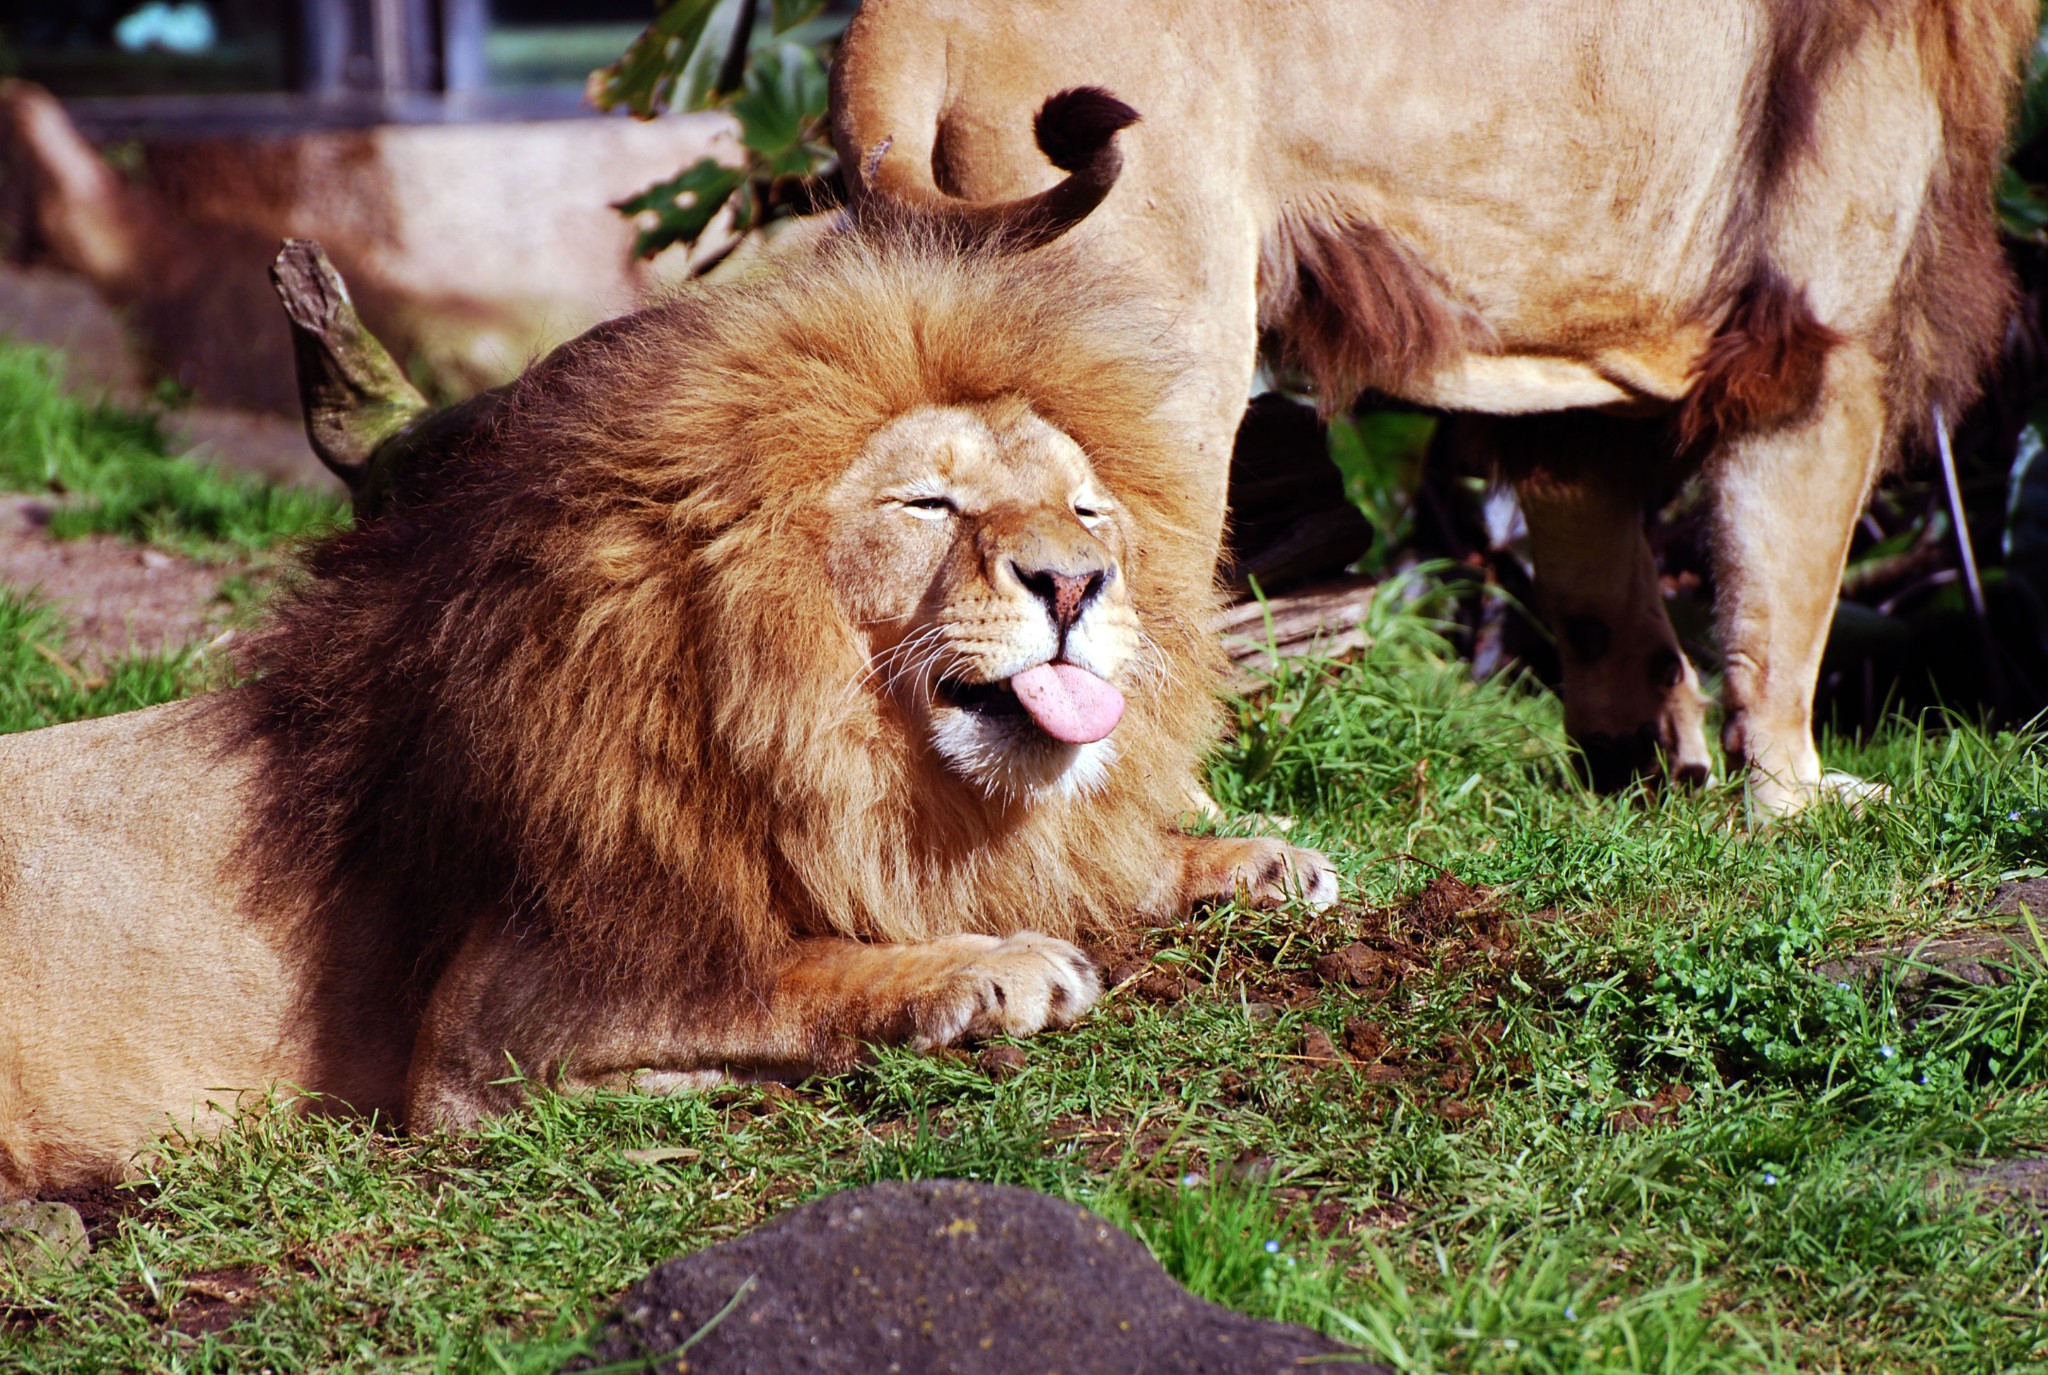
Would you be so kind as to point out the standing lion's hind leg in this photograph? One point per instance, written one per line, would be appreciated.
(1786, 504)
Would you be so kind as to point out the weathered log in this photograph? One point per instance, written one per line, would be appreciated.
(1319, 620)
(364, 418)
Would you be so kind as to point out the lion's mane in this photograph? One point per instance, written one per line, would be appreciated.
(591, 677)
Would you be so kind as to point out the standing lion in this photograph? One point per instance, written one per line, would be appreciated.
(1751, 239)
(799, 664)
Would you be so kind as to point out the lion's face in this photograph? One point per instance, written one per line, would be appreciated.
(982, 560)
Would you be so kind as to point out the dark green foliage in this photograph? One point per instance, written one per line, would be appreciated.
(717, 54)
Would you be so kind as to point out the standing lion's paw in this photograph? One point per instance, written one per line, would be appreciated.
(1775, 801)
(1011, 987)
(1853, 792)
(1261, 872)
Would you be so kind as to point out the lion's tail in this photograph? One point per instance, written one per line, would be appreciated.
(1076, 130)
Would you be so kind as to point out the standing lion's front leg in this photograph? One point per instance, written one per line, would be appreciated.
(1786, 504)
(818, 1003)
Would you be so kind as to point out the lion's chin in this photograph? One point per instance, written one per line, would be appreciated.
(1009, 757)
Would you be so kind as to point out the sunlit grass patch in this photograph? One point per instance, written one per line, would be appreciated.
(111, 472)
(1619, 1113)
(43, 684)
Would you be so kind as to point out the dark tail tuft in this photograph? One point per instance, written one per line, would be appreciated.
(1074, 126)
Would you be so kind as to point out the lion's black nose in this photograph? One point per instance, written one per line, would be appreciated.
(1065, 594)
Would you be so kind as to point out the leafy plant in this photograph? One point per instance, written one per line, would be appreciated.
(768, 72)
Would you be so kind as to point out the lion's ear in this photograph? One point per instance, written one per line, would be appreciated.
(1076, 130)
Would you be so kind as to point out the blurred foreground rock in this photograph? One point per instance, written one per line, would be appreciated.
(942, 1276)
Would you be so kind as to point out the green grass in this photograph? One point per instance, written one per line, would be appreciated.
(113, 473)
(1639, 1133)
(42, 684)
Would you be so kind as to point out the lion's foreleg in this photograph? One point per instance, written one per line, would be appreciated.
(1786, 504)
(509, 1002)
(1259, 870)
(1632, 701)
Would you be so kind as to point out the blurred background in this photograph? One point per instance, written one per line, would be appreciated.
(92, 49)
(471, 166)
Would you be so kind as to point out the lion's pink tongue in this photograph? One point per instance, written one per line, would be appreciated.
(1069, 703)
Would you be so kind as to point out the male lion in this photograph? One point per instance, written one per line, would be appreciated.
(794, 665)
(1751, 238)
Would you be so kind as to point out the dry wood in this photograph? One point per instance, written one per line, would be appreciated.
(364, 418)
(1321, 620)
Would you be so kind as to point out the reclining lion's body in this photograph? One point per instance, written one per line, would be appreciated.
(662, 732)
(131, 992)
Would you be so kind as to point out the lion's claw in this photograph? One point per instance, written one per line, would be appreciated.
(1260, 872)
(1014, 986)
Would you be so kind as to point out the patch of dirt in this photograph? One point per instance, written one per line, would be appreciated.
(2032, 892)
(1437, 1072)
(1921, 967)
(102, 1206)
(120, 598)
(1448, 929)
(1661, 1109)
(2017, 1188)
(2021, 1180)
(1334, 1217)
(1113, 1144)
(205, 1301)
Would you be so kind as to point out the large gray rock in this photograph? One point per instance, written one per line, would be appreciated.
(942, 1276)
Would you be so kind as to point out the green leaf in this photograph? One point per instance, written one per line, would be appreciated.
(684, 205)
(672, 64)
(2022, 206)
(785, 15)
(782, 108)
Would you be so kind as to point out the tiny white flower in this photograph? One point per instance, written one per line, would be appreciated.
(1887, 1051)
(1190, 1180)
(1272, 1248)
(1770, 1178)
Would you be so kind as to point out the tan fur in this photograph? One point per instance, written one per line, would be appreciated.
(1681, 212)
(621, 748)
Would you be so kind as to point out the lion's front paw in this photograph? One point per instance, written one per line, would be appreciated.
(1012, 987)
(1260, 871)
